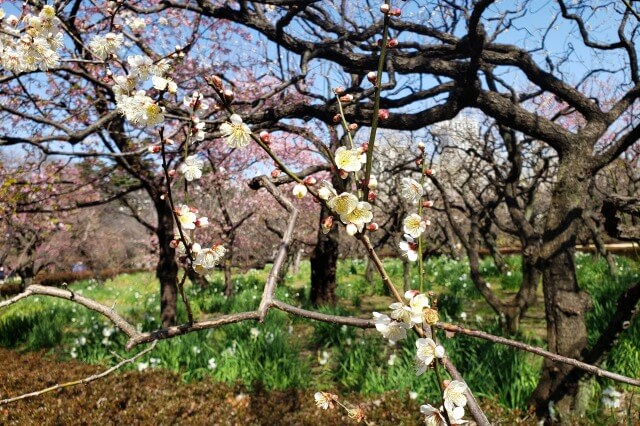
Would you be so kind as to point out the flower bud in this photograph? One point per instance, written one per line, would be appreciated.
(327, 224)
(372, 77)
(371, 197)
(168, 141)
(346, 98)
(373, 182)
(337, 118)
(216, 82)
(154, 149)
(383, 114)
(384, 8)
(410, 294)
(418, 161)
(353, 126)
(171, 173)
(202, 222)
(299, 190)
(275, 173)
(352, 229)
(428, 172)
(338, 90)
(395, 12)
(427, 204)
(310, 180)
(265, 137)
(364, 147)
(421, 146)
(372, 227)
(228, 95)
(392, 43)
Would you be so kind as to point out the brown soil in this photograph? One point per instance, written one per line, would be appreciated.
(160, 398)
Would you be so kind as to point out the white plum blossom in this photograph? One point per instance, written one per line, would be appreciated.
(140, 66)
(103, 46)
(208, 258)
(325, 400)
(349, 160)
(343, 204)
(391, 330)
(299, 190)
(409, 248)
(191, 168)
(414, 225)
(410, 190)
(427, 351)
(433, 416)
(140, 109)
(359, 216)
(186, 217)
(161, 83)
(238, 134)
(454, 398)
(326, 191)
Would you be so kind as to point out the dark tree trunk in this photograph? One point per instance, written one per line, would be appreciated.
(526, 294)
(228, 279)
(167, 269)
(565, 304)
(324, 260)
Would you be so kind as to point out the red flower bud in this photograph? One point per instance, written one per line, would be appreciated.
(275, 173)
(346, 98)
(371, 197)
(372, 227)
(383, 114)
(309, 180)
(353, 126)
(392, 43)
(427, 204)
(216, 82)
(337, 118)
(428, 172)
(395, 12)
(265, 137)
(171, 173)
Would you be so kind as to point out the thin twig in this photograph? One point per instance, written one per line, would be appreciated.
(80, 381)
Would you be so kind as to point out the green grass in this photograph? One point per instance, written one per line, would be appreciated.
(308, 354)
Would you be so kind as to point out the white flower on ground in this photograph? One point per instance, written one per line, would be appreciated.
(454, 398)
(104, 46)
(391, 330)
(254, 333)
(191, 168)
(359, 216)
(611, 398)
(414, 225)
(349, 160)
(409, 249)
(413, 395)
(392, 359)
(343, 204)
(427, 351)
(143, 366)
(325, 400)
(211, 364)
(236, 132)
(186, 217)
(299, 190)
(323, 357)
(410, 190)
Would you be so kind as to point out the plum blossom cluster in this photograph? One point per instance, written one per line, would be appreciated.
(355, 214)
(32, 47)
(204, 259)
(414, 225)
(454, 403)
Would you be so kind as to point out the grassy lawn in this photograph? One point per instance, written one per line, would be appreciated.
(291, 353)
